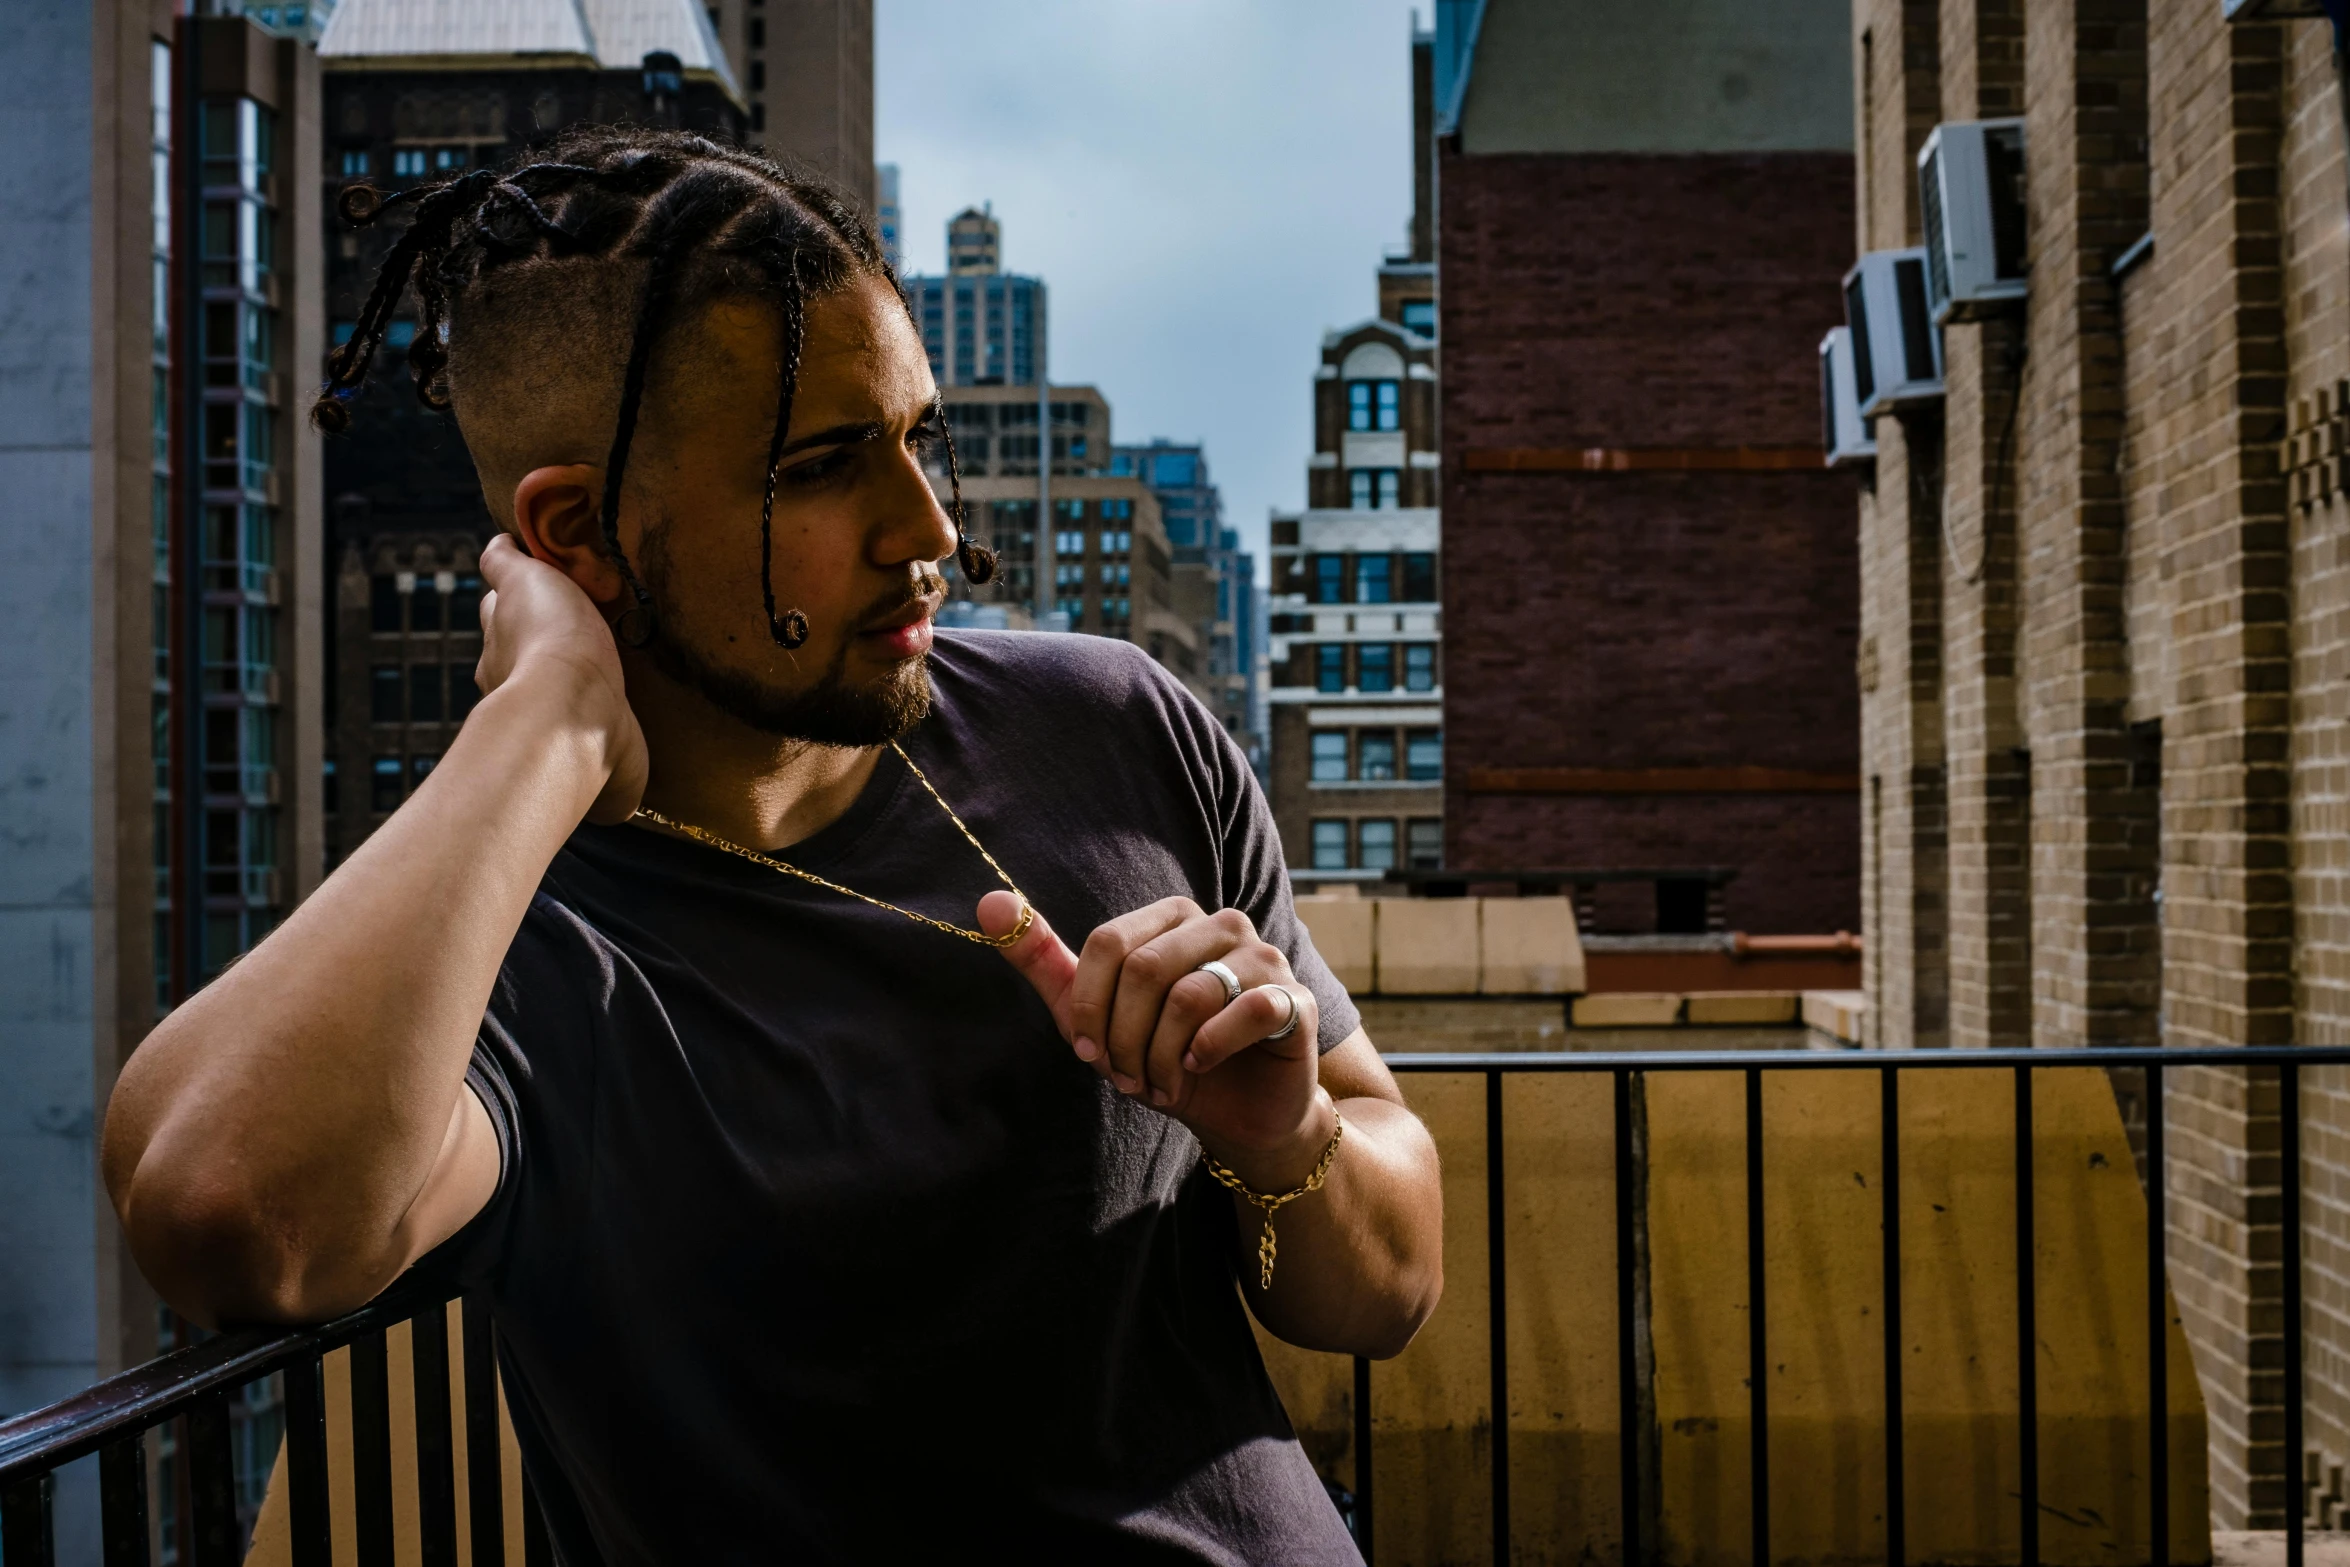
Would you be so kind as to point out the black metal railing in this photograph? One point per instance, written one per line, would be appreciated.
(194, 1385)
(2022, 1063)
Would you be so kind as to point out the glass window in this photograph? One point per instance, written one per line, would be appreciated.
(1390, 404)
(1425, 843)
(1068, 543)
(1374, 579)
(1329, 579)
(1069, 511)
(1420, 316)
(465, 604)
(446, 158)
(1329, 756)
(424, 693)
(1359, 488)
(1069, 576)
(1374, 489)
(419, 765)
(1419, 666)
(1419, 578)
(408, 163)
(1375, 666)
(1330, 845)
(1375, 842)
(383, 602)
(1118, 510)
(1375, 755)
(463, 692)
(333, 788)
(1330, 667)
(424, 605)
(355, 161)
(1424, 754)
(383, 784)
(383, 694)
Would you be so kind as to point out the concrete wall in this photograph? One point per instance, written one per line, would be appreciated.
(1659, 76)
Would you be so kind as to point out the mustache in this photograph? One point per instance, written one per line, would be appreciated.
(928, 586)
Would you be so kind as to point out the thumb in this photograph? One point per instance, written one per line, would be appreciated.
(1042, 958)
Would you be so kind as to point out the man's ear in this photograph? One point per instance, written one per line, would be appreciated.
(558, 518)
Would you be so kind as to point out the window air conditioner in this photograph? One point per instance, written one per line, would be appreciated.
(1845, 434)
(1971, 198)
(1896, 353)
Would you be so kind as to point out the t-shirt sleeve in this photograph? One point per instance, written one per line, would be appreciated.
(1256, 878)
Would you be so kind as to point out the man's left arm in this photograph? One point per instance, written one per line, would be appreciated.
(1360, 1262)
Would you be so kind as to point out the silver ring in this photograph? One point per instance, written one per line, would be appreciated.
(1290, 996)
(1224, 976)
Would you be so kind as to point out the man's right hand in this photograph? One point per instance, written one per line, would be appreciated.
(537, 623)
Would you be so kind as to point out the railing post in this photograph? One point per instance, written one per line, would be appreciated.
(28, 1531)
(1627, 1323)
(436, 1457)
(371, 1448)
(1497, 1326)
(1363, 1470)
(2289, 1223)
(2157, 1330)
(212, 1485)
(485, 1494)
(122, 1502)
(308, 1519)
(2027, 1327)
(1758, 1360)
(1889, 1196)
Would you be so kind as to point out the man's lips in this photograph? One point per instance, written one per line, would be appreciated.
(905, 633)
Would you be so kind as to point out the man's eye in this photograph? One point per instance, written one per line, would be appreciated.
(823, 468)
(923, 437)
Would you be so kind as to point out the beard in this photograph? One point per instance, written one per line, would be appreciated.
(834, 711)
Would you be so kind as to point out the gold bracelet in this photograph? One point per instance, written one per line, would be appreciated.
(1269, 1201)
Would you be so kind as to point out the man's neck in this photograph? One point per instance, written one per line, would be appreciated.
(758, 790)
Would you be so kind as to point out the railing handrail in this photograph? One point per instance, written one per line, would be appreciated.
(1855, 1060)
(156, 1390)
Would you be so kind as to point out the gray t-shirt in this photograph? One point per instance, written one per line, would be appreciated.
(814, 1241)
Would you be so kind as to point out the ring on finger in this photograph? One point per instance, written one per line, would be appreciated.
(1224, 976)
(1289, 1025)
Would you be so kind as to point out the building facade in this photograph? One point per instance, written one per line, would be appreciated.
(2103, 629)
(157, 736)
(1215, 580)
(411, 95)
(1650, 602)
(981, 325)
(805, 68)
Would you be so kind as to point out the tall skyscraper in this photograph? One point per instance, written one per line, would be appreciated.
(412, 92)
(806, 69)
(981, 325)
(889, 218)
(1214, 579)
(159, 759)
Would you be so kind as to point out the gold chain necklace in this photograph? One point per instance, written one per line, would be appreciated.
(1027, 914)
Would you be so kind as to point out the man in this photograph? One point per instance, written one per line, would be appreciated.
(815, 1231)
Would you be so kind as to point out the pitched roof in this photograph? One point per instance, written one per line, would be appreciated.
(615, 35)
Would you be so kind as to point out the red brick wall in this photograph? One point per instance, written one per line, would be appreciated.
(1697, 619)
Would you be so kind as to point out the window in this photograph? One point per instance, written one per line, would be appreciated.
(463, 692)
(1069, 511)
(1375, 669)
(1069, 544)
(333, 791)
(1375, 755)
(1424, 754)
(1372, 405)
(408, 163)
(1117, 609)
(465, 604)
(1330, 845)
(383, 784)
(1117, 541)
(1419, 666)
(355, 161)
(1069, 577)
(383, 603)
(1425, 843)
(424, 605)
(419, 765)
(383, 694)
(1117, 510)
(1419, 579)
(1373, 489)
(446, 158)
(1375, 843)
(1329, 578)
(1374, 579)
(1329, 756)
(758, 32)
(1420, 316)
(758, 75)
(1330, 667)
(424, 693)
(1118, 576)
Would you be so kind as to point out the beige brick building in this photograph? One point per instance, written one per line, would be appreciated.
(2106, 624)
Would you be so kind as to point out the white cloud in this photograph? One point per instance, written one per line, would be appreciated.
(1205, 185)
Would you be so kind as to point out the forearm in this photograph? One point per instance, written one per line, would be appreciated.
(1360, 1263)
(265, 1143)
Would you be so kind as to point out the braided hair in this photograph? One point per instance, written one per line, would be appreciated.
(694, 214)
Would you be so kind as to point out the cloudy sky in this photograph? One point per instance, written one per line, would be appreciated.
(1205, 185)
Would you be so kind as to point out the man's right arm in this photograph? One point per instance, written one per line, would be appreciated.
(299, 1132)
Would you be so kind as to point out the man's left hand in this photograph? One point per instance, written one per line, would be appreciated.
(1135, 1006)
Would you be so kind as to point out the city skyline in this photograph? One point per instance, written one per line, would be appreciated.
(1153, 132)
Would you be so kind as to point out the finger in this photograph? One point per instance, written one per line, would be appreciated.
(1191, 1001)
(1041, 956)
(1250, 1022)
(1100, 971)
(1151, 972)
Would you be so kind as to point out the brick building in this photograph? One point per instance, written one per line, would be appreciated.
(805, 68)
(1650, 605)
(2104, 625)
